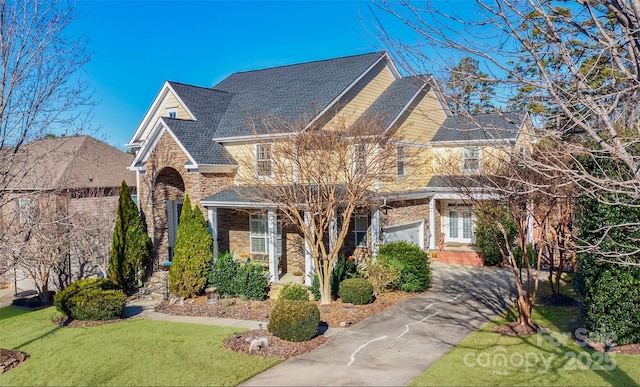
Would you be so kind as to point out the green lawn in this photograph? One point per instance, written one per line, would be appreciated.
(485, 358)
(131, 353)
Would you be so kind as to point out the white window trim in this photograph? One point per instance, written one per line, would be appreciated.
(257, 161)
(464, 158)
(460, 209)
(359, 231)
(401, 161)
(252, 234)
(172, 112)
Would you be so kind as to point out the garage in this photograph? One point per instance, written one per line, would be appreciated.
(410, 232)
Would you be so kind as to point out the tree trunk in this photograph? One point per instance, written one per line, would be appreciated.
(524, 311)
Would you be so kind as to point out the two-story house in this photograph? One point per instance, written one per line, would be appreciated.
(191, 137)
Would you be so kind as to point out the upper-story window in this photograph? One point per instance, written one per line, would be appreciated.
(360, 158)
(400, 161)
(172, 112)
(471, 159)
(264, 161)
(26, 209)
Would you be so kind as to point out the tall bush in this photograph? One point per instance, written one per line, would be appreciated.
(251, 282)
(345, 268)
(193, 253)
(609, 292)
(131, 247)
(489, 240)
(415, 272)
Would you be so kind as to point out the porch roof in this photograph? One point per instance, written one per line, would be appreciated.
(236, 197)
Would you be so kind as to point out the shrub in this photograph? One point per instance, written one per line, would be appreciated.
(294, 320)
(91, 299)
(383, 274)
(98, 304)
(489, 239)
(315, 287)
(294, 292)
(130, 251)
(222, 274)
(192, 254)
(415, 273)
(357, 291)
(343, 269)
(251, 282)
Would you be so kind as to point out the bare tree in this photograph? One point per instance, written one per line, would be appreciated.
(576, 65)
(40, 91)
(318, 176)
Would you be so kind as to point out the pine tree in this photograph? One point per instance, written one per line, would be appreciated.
(192, 253)
(131, 246)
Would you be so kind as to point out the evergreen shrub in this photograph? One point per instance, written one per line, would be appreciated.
(91, 299)
(294, 292)
(294, 320)
(357, 291)
(251, 282)
(415, 272)
(222, 274)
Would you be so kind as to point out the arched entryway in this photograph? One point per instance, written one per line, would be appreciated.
(168, 194)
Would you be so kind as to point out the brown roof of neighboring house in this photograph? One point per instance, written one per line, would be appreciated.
(73, 162)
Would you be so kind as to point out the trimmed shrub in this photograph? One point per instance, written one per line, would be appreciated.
(98, 304)
(294, 320)
(294, 292)
(192, 254)
(357, 291)
(91, 299)
(222, 274)
(251, 282)
(489, 239)
(342, 270)
(383, 275)
(415, 273)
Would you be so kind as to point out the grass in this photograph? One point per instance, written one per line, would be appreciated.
(485, 358)
(131, 353)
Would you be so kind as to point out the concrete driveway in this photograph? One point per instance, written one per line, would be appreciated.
(393, 347)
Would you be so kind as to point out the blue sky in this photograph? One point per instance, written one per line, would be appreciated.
(137, 45)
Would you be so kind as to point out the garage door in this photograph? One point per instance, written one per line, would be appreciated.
(409, 232)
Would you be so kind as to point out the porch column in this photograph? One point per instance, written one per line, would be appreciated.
(530, 222)
(432, 223)
(375, 231)
(212, 215)
(309, 265)
(273, 245)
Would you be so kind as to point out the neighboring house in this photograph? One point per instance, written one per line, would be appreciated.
(191, 137)
(60, 200)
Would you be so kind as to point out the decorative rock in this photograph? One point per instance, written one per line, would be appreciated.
(258, 344)
(343, 324)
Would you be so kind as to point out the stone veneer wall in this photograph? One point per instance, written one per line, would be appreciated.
(160, 184)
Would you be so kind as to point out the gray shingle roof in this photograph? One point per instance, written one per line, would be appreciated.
(287, 92)
(392, 101)
(485, 126)
(242, 194)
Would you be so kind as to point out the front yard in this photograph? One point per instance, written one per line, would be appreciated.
(132, 353)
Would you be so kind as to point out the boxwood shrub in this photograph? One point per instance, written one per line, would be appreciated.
(294, 292)
(251, 282)
(294, 320)
(91, 299)
(415, 272)
(357, 291)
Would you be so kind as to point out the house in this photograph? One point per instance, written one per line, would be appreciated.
(191, 137)
(59, 207)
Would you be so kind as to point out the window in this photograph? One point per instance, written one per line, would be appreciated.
(259, 234)
(264, 162)
(26, 209)
(360, 158)
(471, 159)
(400, 161)
(361, 228)
(172, 112)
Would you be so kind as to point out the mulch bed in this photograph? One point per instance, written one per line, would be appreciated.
(65, 321)
(515, 329)
(11, 359)
(278, 348)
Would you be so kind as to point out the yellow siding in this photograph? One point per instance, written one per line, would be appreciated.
(421, 123)
(245, 156)
(448, 160)
(358, 99)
